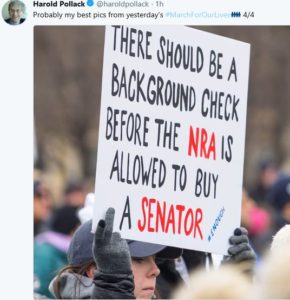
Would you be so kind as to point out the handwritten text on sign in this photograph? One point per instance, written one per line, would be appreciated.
(171, 137)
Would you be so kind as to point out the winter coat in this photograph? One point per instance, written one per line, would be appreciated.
(118, 286)
(49, 257)
(72, 286)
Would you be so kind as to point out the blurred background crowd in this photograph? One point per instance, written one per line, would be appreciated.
(68, 68)
(265, 210)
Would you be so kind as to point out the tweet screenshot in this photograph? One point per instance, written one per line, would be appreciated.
(145, 149)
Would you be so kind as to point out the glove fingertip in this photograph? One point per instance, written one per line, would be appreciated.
(238, 231)
(110, 211)
(100, 230)
(102, 224)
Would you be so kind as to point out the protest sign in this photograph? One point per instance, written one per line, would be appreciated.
(171, 135)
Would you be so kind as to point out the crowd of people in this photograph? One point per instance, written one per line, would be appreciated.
(266, 206)
(53, 231)
(71, 262)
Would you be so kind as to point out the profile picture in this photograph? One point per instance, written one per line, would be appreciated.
(14, 12)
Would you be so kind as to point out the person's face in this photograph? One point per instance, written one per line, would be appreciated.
(145, 272)
(42, 205)
(15, 13)
(76, 198)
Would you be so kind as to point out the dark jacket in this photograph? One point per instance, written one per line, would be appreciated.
(11, 23)
(169, 278)
(117, 286)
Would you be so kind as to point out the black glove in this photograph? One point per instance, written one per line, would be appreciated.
(111, 252)
(240, 249)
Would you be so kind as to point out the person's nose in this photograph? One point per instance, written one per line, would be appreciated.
(154, 270)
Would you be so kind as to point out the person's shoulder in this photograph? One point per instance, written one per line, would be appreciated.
(22, 20)
(7, 20)
(43, 249)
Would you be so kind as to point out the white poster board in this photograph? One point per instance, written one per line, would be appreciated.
(171, 136)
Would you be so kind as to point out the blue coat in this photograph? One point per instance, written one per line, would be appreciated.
(48, 260)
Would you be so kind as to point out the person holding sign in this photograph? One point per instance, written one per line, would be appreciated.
(104, 266)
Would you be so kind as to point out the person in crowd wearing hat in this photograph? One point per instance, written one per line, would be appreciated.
(102, 265)
(279, 199)
(105, 266)
(169, 277)
(74, 194)
(50, 247)
(268, 174)
(16, 10)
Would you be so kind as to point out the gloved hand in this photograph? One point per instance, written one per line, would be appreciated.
(240, 249)
(111, 252)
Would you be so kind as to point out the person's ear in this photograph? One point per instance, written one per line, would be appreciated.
(90, 272)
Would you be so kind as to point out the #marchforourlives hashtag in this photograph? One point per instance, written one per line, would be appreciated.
(198, 14)
(216, 224)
